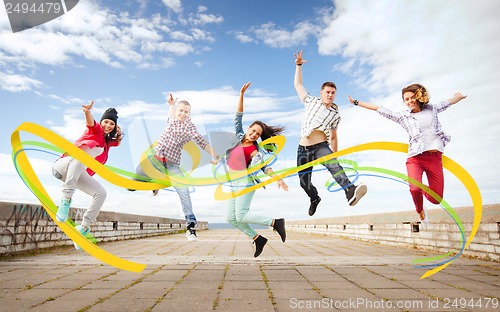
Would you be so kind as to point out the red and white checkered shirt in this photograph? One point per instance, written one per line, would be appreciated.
(175, 135)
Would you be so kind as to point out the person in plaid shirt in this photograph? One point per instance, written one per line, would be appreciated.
(318, 138)
(180, 130)
(426, 140)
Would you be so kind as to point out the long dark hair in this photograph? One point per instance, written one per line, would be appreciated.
(267, 132)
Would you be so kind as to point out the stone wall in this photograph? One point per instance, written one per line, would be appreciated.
(403, 228)
(25, 227)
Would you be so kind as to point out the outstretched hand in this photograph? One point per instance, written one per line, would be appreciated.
(87, 108)
(215, 160)
(350, 99)
(282, 185)
(459, 96)
(298, 58)
(171, 100)
(244, 88)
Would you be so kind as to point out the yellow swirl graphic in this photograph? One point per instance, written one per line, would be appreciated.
(160, 180)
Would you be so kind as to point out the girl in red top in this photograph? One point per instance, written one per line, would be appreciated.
(245, 154)
(95, 141)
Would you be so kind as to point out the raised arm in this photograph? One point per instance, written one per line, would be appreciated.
(297, 81)
(89, 119)
(363, 104)
(457, 97)
(171, 104)
(240, 108)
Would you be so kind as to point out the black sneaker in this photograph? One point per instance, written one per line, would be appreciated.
(355, 193)
(259, 242)
(279, 226)
(314, 205)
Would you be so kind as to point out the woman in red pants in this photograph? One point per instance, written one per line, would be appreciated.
(426, 140)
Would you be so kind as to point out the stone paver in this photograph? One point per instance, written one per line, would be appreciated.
(219, 273)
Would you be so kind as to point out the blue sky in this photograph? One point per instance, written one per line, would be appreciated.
(131, 54)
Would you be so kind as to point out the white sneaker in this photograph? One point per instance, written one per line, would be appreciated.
(191, 235)
(425, 222)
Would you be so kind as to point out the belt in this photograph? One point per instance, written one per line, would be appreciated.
(311, 147)
(160, 158)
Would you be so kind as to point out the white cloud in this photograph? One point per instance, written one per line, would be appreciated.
(242, 37)
(202, 18)
(276, 37)
(178, 48)
(98, 34)
(181, 36)
(18, 83)
(174, 5)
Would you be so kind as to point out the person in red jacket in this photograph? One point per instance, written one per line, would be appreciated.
(95, 141)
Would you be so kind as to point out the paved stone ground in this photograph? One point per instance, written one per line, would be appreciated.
(219, 273)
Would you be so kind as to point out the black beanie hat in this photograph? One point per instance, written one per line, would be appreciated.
(110, 114)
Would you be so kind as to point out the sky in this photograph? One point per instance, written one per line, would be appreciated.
(131, 54)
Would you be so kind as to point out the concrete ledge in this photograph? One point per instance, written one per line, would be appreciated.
(403, 228)
(25, 227)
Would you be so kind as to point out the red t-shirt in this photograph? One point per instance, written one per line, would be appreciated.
(240, 157)
(94, 137)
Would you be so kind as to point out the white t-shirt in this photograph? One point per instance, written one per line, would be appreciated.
(431, 140)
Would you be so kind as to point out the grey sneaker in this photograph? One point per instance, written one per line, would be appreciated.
(355, 193)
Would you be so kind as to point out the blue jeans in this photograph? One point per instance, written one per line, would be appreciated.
(183, 192)
(238, 209)
(307, 154)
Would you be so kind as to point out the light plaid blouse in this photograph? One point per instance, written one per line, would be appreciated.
(175, 135)
(412, 126)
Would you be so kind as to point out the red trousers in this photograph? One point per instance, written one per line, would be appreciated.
(431, 163)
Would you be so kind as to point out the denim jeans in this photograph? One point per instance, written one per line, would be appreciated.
(238, 209)
(307, 154)
(183, 192)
